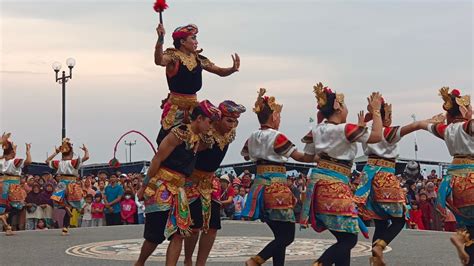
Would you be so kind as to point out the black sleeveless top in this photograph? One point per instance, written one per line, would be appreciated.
(181, 160)
(210, 160)
(186, 81)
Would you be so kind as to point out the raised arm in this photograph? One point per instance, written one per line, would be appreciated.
(51, 157)
(423, 124)
(224, 72)
(160, 58)
(86, 153)
(28, 155)
(375, 102)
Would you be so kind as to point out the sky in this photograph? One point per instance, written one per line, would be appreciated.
(407, 50)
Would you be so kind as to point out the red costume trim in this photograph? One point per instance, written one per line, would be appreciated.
(353, 132)
(308, 138)
(282, 144)
(55, 164)
(438, 130)
(390, 133)
(17, 162)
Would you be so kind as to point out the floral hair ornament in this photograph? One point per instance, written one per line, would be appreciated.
(269, 100)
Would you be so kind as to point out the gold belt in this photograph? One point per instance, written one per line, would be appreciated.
(183, 101)
(463, 160)
(9, 177)
(198, 175)
(381, 162)
(67, 177)
(261, 169)
(334, 167)
(169, 176)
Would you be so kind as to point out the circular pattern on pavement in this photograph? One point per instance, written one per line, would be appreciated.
(225, 249)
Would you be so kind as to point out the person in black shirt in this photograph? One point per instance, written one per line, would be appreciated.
(166, 205)
(184, 65)
(202, 188)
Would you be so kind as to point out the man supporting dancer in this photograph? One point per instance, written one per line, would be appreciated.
(184, 65)
(457, 188)
(166, 205)
(11, 193)
(329, 202)
(202, 187)
(270, 199)
(381, 198)
(68, 193)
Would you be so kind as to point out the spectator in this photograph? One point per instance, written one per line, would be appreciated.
(29, 183)
(47, 203)
(97, 211)
(239, 203)
(128, 208)
(416, 217)
(427, 211)
(41, 225)
(112, 197)
(227, 196)
(87, 187)
(87, 212)
(450, 222)
(140, 210)
(433, 175)
(33, 212)
(101, 187)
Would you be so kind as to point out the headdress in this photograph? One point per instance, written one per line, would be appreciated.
(210, 110)
(270, 101)
(322, 94)
(6, 141)
(66, 146)
(450, 98)
(185, 31)
(231, 109)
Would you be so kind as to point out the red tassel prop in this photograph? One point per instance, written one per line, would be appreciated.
(160, 5)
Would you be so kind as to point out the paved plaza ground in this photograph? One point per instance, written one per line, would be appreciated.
(119, 245)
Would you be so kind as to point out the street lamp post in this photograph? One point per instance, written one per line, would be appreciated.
(130, 144)
(416, 144)
(70, 62)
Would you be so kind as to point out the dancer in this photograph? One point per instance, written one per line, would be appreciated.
(329, 199)
(202, 187)
(381, 198)
(11, 193)
(166, 205)
(68, 194)
(184, 65)
(270, 199)
(457, 188)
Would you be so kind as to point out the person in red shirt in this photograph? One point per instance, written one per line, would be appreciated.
(128, 208)
(416, 220)
(98, 211)
(426, 208)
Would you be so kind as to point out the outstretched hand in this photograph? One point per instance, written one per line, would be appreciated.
(236, 62)
(361, 119)
(28, 147)
(160, 30)
(84, 148)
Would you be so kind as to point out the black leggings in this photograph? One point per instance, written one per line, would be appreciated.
(470, 249)
(385, 232)
(339, 253)
(284, 233)
(66, 219)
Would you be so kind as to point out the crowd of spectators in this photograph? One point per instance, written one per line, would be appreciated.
(110, 199)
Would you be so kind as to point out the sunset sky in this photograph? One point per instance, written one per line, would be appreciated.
(405, 49)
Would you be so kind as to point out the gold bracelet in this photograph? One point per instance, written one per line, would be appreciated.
(376, 113)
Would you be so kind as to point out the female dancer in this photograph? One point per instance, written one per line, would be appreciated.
(385, 203)
(12, 194)
(270, 199)
(68, 193)
(329, 200)
(457, 188)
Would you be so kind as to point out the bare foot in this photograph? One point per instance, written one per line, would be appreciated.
(458, 243)
(9, 232)
(377, 254)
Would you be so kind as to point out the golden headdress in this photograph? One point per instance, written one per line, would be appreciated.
(66, 146)
(322, 93)
(270, 101)
(455, 95)
(7, 143)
